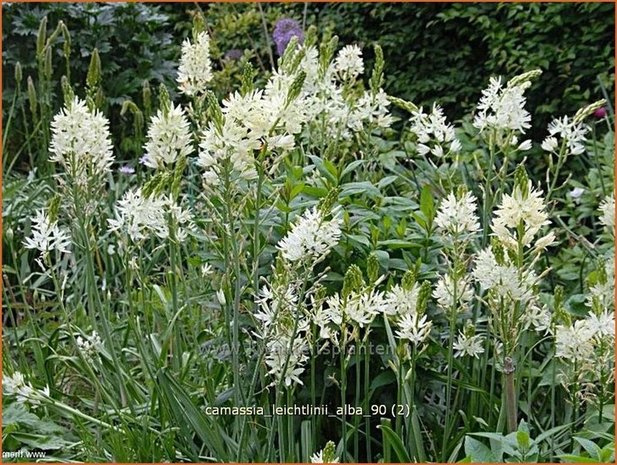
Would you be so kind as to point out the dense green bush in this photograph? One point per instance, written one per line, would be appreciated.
(448, 49)
(135, 43)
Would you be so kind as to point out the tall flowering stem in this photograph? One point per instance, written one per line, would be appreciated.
(501, 118)
(567, 137)
(81, 144)
(457, 226)
(505, 270)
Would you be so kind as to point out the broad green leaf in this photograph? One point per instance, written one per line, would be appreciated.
(351, 167)
(427, 205)
(477, 451)
(394, 441)
(358, 188)
(522, 438)
(591, 447)
(383, 379)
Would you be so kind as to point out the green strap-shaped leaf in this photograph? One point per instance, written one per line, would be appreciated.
(187, 415)
(391, 439)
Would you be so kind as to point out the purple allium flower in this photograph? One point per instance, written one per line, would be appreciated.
(126, 169)
(234, 54)
(600, 113)
(284, 30)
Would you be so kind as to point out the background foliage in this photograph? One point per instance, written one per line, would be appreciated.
(438, 52)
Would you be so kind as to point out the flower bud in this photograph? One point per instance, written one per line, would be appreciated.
(377, 76)
(67, 39)
(67, 90)
(326, 53)
(310, 37)
(32, 96)
(18, 73)
(296, 87)
(164, 99)
(409, 279)
(372, 268)
(525, 78)
(353, 281)
(41, 36)
(329, 452)
(588, 110)
(199, 24)
(600, 113)
(146, 94)
(94, 70)
(404, 104)
(423, 297)
(47, 70)
(220, 295)
(248, 74)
